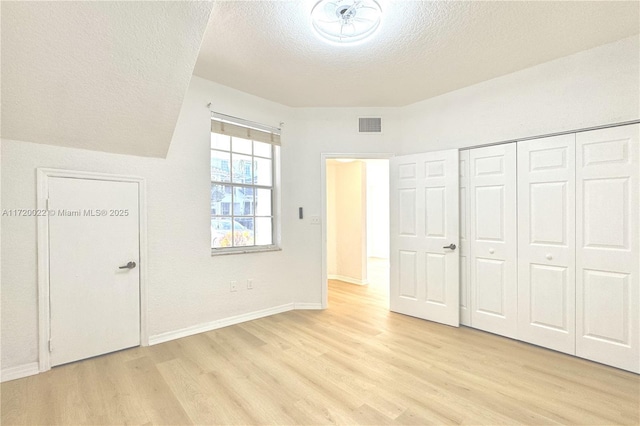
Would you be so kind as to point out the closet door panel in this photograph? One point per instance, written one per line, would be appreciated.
(465, 218)
(546, 242)
(608, 252)
(493, 246)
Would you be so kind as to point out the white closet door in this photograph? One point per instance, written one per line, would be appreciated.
(608, 254)
(465, 220)
(94, 298)
(546, 242)
(424, 214)
(493, 239)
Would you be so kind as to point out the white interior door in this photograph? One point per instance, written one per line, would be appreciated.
(465, 249)
(94, 304)
(546, 242)
(608, 252)
(424, 219)
(494, 285)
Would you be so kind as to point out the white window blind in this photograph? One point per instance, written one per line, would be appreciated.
(239, 128)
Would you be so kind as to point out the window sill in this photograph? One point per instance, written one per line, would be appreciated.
(243, 250)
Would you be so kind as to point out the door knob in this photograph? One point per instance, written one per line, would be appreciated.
(450, 246)
(129, 265)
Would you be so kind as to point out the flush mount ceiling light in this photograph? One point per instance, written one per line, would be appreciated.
(346, 21)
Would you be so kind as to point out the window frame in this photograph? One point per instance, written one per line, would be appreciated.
(275, 198)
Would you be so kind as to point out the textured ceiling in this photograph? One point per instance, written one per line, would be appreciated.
(422, 49)
(105, 76)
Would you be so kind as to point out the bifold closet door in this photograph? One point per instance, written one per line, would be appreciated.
(608, 252)
(492, 185)
(465, 219)
(546, 242)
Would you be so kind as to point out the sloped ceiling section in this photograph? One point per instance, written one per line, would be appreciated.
(104, 76)
(422, 48)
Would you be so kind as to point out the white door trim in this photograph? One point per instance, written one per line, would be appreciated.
(323, 209)
(43, 176)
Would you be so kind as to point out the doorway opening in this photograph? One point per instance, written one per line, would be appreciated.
(356, 213)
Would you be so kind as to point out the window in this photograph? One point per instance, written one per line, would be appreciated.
(243, 172)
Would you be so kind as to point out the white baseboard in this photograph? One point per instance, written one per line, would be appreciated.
(347, 279)
(307, 306)
(19, 371)
(225, 322)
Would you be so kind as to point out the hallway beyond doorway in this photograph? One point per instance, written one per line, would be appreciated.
(378, 273)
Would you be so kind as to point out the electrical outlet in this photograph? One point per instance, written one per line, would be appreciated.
(315, 220)
(250, 284)
(233, 285)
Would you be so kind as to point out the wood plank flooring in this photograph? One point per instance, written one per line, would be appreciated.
(354, 363)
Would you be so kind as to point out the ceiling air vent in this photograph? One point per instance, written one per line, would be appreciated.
(369, 125)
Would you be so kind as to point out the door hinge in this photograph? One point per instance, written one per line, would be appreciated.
(50, 346)
(47, 203)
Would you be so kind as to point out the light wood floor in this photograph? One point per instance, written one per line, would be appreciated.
(355, 363)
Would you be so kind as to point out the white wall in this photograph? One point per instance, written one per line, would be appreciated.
(316, 131)
(187, 286)
(595, 87)
(332, 252)
(378, 208)
(347, 221)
